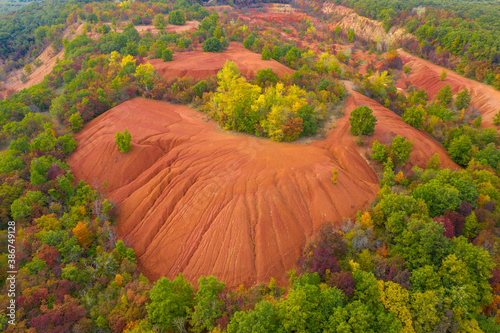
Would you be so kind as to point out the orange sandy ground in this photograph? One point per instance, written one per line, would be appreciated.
(199, 65)
(197, 200)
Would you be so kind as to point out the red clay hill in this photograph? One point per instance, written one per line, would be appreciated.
(389, 125)
(199, 65)
(197, 200)
(425, 75)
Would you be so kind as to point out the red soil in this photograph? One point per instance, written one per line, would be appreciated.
(390, 124)
(425, 75)
(196, 200)
(199, 65)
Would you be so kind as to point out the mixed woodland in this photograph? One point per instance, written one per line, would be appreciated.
(424, 256)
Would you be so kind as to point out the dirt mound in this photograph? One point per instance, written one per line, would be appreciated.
(390, 124)
(368, 29)
(196, 200)
(425, 75)
(199, 65)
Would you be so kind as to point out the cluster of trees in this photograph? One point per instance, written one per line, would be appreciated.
(457, 34)
(448, 117)
(421, 258)
(279, 111)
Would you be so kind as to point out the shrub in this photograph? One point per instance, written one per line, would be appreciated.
(167, 55)
(212, 44)
(176, 17)
(123, 141)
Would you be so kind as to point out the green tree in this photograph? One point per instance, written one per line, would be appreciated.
(445, 95)
(350, 35)
(460, 149)
(443, 75)
(362, 121)
(422, 243)
(414, 116)
(463, 100)
(438, 196)
(40, 167)
(200, 88)
(496, 119)
(266, 77)
(266, 53)
(123, 141)
(208, 307)
(159, 22)
(262, 319)
(380, 152)
(176, 17)
(169, 300)
(400, 149)
(212, 44)
(167, 55)
(249, 41)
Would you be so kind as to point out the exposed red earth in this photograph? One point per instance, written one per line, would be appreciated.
(390, 124)
(199, 64)
(194, 199)
(425, 75)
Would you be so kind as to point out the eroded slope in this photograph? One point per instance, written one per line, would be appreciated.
(199, 65)
(197, 200)
(425, 75)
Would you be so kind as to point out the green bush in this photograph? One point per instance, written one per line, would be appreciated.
(123, 140)
(212, 44)
(362, 121)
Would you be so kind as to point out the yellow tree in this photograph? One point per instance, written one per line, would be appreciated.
(232, 103)
(83, 234)
(396, 299)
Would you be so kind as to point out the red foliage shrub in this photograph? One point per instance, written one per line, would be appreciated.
(456, 220)
(344, 282)
(450, 229)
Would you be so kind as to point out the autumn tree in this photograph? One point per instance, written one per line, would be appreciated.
(83, 234)
(76, 122)
(443, 75)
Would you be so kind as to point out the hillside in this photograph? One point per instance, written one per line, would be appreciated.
(319, 167)
(198, 193)
(200, 65)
